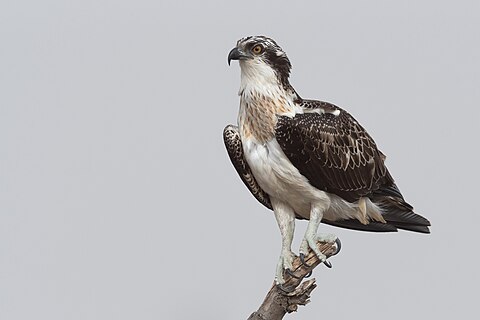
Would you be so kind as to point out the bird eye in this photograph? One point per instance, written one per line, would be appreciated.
(257, 49)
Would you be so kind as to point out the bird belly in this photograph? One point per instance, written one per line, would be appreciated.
(278, 177)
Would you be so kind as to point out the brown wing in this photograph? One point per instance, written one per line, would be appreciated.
(397, 213)
(333, 151)
(231, 137)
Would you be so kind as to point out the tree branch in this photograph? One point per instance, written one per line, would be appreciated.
(279, 302)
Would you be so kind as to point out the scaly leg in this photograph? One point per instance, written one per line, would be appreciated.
(310, 239)
(286, 222)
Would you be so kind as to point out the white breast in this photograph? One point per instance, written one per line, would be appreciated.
(280, 179)
(262, 98)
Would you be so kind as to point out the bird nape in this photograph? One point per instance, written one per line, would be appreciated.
(308, 159)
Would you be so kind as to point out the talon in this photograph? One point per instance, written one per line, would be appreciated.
(327, 264)
(302, 259)
(286, 290)
(339, 246)
(308, 274)
(291, 274)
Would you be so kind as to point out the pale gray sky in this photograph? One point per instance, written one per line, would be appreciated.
(118, 200)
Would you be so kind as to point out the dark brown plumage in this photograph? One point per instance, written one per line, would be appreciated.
(333, 151)
(338, 156)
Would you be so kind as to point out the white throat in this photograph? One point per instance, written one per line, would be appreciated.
(262, 99)
(258, 77)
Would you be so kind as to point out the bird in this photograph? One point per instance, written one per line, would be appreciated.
(307, 159)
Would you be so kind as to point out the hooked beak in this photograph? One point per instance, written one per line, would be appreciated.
(237, 54)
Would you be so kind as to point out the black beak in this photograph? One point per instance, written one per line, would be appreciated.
(236, 54)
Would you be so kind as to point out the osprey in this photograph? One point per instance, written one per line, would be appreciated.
(308, 159)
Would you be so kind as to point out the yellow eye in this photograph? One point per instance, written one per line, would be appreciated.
(257, 49)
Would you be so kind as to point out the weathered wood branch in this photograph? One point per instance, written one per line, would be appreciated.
(279, 302)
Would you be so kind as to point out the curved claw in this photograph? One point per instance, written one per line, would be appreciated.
(302, 259)
(327, 264)
(291, 274)
(286, 290)
(308, 274)
(339, 247)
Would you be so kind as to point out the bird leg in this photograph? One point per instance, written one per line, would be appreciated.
(310, 239)
(286, 222)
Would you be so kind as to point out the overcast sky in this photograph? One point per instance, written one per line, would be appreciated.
(117, 197)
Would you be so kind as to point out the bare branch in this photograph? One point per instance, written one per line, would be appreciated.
(280, 301)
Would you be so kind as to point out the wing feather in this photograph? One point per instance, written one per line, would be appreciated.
(231, 137)
(333, 151)
(336, 155)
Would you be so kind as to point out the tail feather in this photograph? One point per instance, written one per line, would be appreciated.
(397, 214)
(421, 229)
(400, 217)
(357, 225)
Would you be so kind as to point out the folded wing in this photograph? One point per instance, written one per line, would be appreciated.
(231, 137)
(333, 151)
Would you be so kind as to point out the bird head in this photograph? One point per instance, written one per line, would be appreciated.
(262, 59)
